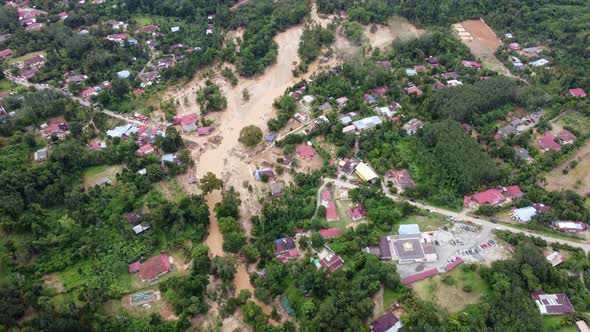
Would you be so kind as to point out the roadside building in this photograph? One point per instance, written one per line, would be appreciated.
(367, 123)
(569, 226)
(554, 258)
(547, 142)
(365, 173)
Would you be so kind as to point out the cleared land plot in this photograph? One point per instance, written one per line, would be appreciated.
(396, 28)
(577, 178)
(452, 297)
(93, 174)
(482, 41)
(555, 323)
(426, 223)
(6, 85)
(575, 120)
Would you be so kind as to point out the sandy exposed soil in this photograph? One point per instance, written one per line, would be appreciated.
(577, 179)
(482, 41)
(52, 281)
(395, 29)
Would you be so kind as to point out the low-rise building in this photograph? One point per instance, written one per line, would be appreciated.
(552, 304)
(386, 323)
(153, 268)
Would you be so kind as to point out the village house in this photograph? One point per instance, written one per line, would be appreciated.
(167, 62)
(539, 63)
(367, 123)
(138, 229)
(331, 214)
(450, 75)
(365, 173)
(471, 64)
(554, 258)
(548, 143)
(577, 92)
(385, 64)
(103, 182)
(148, 78)
(369, 99)
(411, 72)
(187, 122)
(5, 53)
(432, 61)
(35, 61)
(402, 179)
(150, 28)
(153, 268)
(341, 102)
(40, 155)
(490, 197)
(285, 249)
(566, 137)
(264, 172)
(276, 189)
(305, 151)
(552, 304)
(117, 38)
(523, 154)
(34, 26)
(356, 213)
(145, 150)
(328, 260)
(412, 126)
(385, 111)
(204, 131)
(514, 46)
(348, 165)
(325, 106)
(386, 323)
(380, 91)
(569, 226)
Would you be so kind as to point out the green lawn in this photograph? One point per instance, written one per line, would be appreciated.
(389, 297)
(452, 297)
(574, 119)
(429, 222)
(93, 174)
(553, 323)
(144, 19)
(6, 85)
(341, 208)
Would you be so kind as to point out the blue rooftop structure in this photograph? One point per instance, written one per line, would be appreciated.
(132, 42)
(369, 122)
(346, 120)
(270, 137)
(525, 214)
(408, 229)
(124, 74)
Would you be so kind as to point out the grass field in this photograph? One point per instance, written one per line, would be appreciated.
(573, 119)
(6, 85)
(430, 222)
(389, 297)
(553, 323)
(26, 56)
(93, 174)
(452, 297)
(143, 19)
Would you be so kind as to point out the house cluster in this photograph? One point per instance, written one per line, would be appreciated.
(189, 123)
(400, 178)
(331, 214)
(518, 126)
(153, 268)
(28, 17)
(146, 137)
(30, 66)
(285, 249)
(531, 53)
(54, 129)
(492, 196)
(525, 214)
(93, 91)
(549, 142)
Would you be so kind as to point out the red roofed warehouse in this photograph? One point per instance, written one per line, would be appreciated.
(151, 269)
(552, 304)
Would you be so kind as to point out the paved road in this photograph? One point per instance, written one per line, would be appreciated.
(487, 225)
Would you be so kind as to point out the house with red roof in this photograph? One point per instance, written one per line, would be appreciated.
(305, 151)
(554, 258)
(369, 99)
(356, 213)
(489, 197)
(514, 191)
(380, 91)
(204, 131)
(326, 195)
(566, 137)
(420, 68)
(145, 150)
(331, 214)
(34, 26)
(285, 249)
(471, 64)
(402, 179)
(63, 15)
(552, 304)
(150, 28)
(166, 62)
(578, 92)
(547, 142)
(514, 46)
(414, 90)
(329, 233)
(331, 262)
(5, 53)
(117, 37)
(449, 267)
(34, 61)
(188, 122)
(386, 323)
(153, 268)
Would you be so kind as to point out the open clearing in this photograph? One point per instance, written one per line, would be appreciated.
(452, 297)
(573, 119)
(93, 174)
(482, 41)
(577, 178)
(396, 28)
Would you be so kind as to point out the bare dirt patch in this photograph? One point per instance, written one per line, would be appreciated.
(52, 281)
(482, 41)
(396, 28)
(577, 178)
